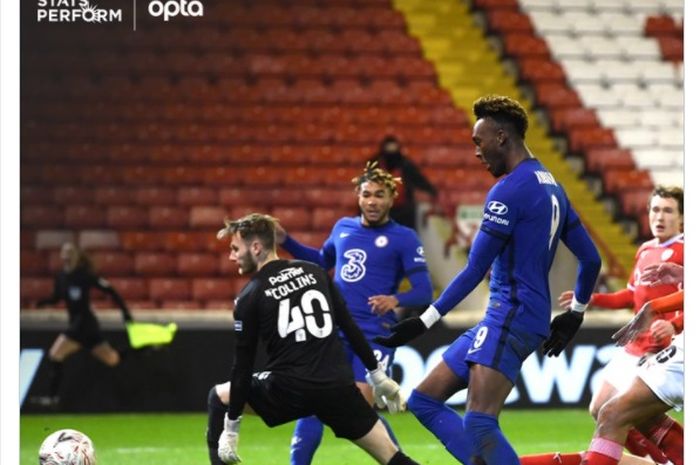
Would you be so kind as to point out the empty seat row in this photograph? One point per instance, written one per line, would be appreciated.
(400, 114)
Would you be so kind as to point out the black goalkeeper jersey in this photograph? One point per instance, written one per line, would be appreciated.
(291, 306)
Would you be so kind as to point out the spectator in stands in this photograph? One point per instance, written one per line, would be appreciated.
(666, 222)
(371, 254)
(391, 159)
(527, 212)
(73, 284)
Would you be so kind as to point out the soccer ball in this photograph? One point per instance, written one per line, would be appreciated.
(67, 447)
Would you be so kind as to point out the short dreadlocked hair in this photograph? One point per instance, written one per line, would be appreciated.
(504, 110)
(254, 225)
(373, 173)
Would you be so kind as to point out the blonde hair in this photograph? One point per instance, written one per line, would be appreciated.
(253, 225)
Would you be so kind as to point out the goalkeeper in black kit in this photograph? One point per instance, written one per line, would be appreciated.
(294, 308)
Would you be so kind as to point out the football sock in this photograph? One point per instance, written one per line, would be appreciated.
(55, 377)
(390, 431)
(308, 433)
(400, 459)
(603, 452)
(637, 444)
(552, 458)
(443, 422)
(215, 426)
(668, 435)
(489, 442)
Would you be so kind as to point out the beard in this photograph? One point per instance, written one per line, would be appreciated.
(246, 264)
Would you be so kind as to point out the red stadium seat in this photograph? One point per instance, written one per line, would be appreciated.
(176, 241)
(671, 48)
(191, 196)
(599, 160)
(293, 219)
(155, 196)
(584, 139)
(213, 289)
(521, 45)
(634, 203)
(168, 217)
(154, 264)
(32, 263)
(41, 217)
(112, 263)
(33, 289)
(71, 195)
(82, 217)
(197, 264)
(553, 95)
(113, 195)
(564, 119)
(537, 70)
(659, 26)
(617, 181)
(323, 218)
(121, 217)
(142, 241)
(169, 289)
(130, 288)
(207, 217)
(508, 21)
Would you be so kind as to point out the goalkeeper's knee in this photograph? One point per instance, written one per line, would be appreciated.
(217, 411)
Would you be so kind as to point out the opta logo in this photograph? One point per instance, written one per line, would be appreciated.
(175, 8)
(497, 208)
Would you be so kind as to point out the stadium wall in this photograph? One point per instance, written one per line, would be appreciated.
(178, 377)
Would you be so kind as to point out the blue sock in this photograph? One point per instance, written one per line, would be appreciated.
(443, 422)
(390, 431)
(307, 437)
(489, 442)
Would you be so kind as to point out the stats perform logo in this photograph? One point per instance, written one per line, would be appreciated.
(71, 11)
(173, 8)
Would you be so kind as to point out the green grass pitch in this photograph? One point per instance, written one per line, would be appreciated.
(178, 439)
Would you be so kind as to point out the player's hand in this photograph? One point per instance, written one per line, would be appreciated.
(382, 304)
(662, 273)
(386, 391)
(228, 441)
(662, 331)
(280, 234)
(402, 332)
(565, 299)
(562, 331)
(641, 322)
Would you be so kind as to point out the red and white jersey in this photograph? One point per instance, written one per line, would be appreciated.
(651, 253)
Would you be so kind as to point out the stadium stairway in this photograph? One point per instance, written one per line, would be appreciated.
(469, 67)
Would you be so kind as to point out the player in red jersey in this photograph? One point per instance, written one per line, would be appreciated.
(666, 221)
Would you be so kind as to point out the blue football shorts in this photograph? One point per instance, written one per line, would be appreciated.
(496, 347)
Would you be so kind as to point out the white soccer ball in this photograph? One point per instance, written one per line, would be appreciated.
(67, 447)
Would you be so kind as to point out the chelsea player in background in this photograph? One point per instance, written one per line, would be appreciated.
(371, 254)
(525, 215)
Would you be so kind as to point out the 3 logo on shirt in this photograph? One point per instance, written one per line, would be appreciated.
(354, 270)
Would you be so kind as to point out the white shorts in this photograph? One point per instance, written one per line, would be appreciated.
(621, 370)
(663, 374)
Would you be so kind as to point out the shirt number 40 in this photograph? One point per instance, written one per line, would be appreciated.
(299, 320)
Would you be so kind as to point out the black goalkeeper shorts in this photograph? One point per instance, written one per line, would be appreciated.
(343, 409)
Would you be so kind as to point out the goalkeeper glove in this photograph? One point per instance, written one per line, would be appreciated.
(386, 391)
(562, 330)
(228, 441)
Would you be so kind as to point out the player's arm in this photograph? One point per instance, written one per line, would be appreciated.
(648, 314)
(104, 286)
(54, 298)
(246, 337)
(415, 177)
(486, 247)
(386, 391)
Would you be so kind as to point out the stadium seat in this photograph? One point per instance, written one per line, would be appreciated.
(213, 289)
(113, 263)
(33, 263)
(171, 289)
(293, 219)
(600, 160)
(119, 217)
(84, 217)
(168, 217)
(207, 217)
(154, 264)
(197, 196)
(141, 241)
(41, 217)
(197, 264)
(33, 289)
(130, 289)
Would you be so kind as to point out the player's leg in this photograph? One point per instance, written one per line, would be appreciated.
(427, 401)
(615, 418)
(575, 458)
(306, 439)
(217, 404)
(379, 445)
(62, 348)
(488, 390)
(368, 394)
(349, 415)
(106, 354)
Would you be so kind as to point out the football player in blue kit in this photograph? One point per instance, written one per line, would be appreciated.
(526, 214)
(370, 255)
